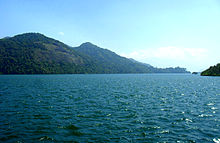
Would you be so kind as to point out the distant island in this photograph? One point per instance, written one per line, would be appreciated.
(34, 53)
(195, 72)
(212, 71)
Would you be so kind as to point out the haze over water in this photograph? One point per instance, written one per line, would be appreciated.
(109, 108)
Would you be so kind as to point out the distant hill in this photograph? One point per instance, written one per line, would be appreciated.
(34, 53)
(133, 60)
(110, 62)
(212, 71)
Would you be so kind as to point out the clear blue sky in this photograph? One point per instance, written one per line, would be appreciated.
(162, 33)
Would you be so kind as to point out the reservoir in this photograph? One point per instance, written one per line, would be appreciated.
(109, 108)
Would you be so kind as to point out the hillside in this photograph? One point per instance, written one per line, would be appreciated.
(162, 70)
(212, 71)
(34, 53)
(134, 61)
(110, 62)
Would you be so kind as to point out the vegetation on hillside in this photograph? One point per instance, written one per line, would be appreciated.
(110, 62)
(34, 53)
(212, 71)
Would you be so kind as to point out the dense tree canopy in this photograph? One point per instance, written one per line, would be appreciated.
(34, 53)
(212, 71)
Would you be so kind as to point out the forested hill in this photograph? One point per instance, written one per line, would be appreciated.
(212, 71)
(113, 62)
(34, 53)
(109, 61)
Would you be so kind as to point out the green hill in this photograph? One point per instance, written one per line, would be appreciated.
(212, 71)
(110, 62)
(34, 53)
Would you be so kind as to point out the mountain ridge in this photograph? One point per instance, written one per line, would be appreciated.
(34, 53)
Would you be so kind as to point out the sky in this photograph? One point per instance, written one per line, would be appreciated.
(163, 33)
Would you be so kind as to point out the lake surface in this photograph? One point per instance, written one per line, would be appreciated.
(109, 108)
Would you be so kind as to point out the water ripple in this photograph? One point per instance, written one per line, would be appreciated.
(109, 108)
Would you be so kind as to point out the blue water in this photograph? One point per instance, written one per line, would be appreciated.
(109, 108)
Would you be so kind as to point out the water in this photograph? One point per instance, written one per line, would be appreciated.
(109, 108)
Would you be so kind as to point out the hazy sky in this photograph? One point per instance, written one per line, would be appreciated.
(162, 33)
